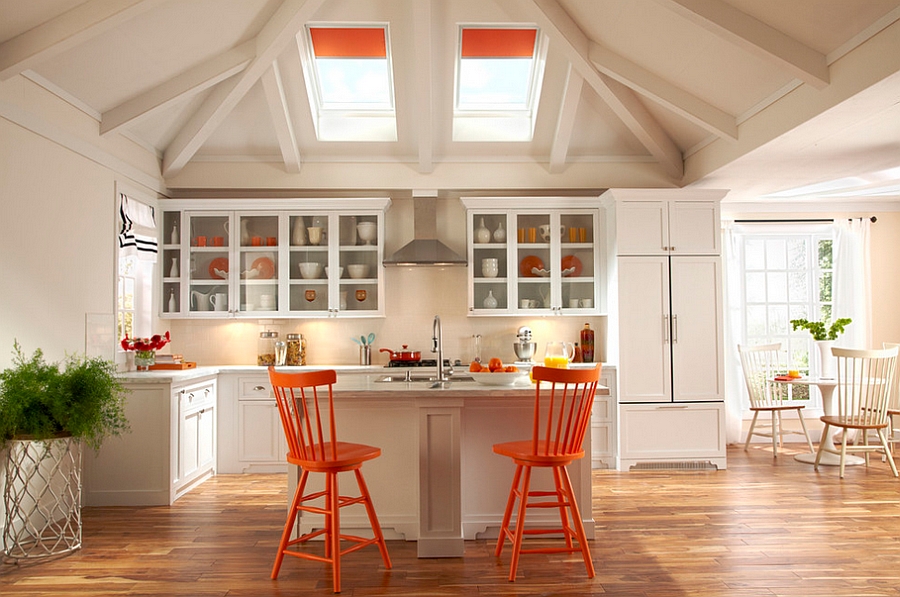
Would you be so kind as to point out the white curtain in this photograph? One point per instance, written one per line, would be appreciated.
(736, 399)
(852, 284)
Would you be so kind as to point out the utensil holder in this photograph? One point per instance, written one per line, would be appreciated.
(365, 355)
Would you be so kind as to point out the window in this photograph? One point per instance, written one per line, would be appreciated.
(350, 84)
(498, 81)
(136, 255)
(785, 276)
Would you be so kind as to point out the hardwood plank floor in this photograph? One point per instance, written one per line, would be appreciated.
(764, 527)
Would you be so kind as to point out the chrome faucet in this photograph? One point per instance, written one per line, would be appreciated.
(437, 345)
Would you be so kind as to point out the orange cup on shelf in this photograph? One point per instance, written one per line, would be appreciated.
(256, 241)
(521, 235)
(218, 241)
(199, 241)
(532, 235)
(573, 235)
(271, 241)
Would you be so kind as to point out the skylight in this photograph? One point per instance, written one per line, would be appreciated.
(498, 81)
(351, 89)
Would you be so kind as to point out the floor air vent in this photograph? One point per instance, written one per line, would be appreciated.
(691, 465)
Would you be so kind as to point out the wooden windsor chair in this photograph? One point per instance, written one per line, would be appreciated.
(760, 364)
(562, 412)
(306, 405)
(864, 381)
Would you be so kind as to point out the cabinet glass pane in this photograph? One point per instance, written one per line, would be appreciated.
(577, 261)
(533, 260)
(209, 266)
(308, 263)
(171, 262)
(490, 267)
(258, 260)
(358, 263)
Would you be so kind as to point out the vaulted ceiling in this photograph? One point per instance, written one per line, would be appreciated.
(760, 96)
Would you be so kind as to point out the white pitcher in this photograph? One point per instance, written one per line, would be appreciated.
(200, 301)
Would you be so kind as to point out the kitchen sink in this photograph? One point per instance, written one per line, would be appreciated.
(418, 378)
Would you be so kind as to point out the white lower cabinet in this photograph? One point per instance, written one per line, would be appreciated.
(603, 423)
(252, 420)
(170, 449)
(671, 433)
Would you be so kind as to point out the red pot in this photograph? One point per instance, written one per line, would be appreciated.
(403, 356)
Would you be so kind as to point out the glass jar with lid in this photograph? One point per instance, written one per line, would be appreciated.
(296, 350)
(265, 353)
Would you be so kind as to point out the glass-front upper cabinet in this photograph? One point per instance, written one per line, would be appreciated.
(534, 261)
(274, 263)
(207, 268)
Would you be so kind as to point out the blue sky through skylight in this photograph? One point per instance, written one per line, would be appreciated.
(494, 83)
(348, 82)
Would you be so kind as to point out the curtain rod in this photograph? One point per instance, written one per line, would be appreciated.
(872, 219)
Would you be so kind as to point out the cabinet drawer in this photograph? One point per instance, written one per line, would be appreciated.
(197, 397)
(672, 432)
(255, 388)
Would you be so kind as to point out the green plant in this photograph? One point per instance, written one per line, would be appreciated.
(81, 397)
(820, 330)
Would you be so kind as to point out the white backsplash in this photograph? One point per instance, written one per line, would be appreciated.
(414, 297)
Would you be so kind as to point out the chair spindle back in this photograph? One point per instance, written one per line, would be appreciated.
(562, 411)
(864, 382)
(306, 406)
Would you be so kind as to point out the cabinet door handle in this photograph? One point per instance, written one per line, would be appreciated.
(191, 397)
(674, 329)
(666, 329)
(259, 388)
(202, 410)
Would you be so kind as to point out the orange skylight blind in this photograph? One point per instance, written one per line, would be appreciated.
(498, 43)
(348, 42)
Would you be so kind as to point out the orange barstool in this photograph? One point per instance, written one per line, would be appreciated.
(306, 405)
(562, 411)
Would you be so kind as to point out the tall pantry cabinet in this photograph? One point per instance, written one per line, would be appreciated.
(666, 323)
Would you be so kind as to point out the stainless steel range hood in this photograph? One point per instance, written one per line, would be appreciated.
(425, 248)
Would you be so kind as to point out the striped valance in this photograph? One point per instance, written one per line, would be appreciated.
(138, 234)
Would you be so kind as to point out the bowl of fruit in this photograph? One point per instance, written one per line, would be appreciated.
(495, 373)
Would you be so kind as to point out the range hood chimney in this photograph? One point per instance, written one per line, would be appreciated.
(425, 248)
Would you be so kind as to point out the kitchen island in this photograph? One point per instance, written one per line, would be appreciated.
(437, 481)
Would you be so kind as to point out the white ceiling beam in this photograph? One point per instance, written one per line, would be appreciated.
(65, 32)
(271, 41)
(422, 31)
(565, 123)
(575, 45)
(281, 118)
(756, 37)
(183, 86)
(664, 93)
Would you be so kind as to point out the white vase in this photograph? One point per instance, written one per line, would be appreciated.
(500, 234)
(826, 359)
(489, 301)
(482, 234)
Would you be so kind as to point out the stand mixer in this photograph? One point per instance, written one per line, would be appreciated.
(524, 347)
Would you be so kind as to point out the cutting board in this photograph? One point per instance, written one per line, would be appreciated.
(178, 366)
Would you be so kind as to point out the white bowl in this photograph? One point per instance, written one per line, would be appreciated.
(340, 272)
(358, 270)
(500, 379)
(310, 270)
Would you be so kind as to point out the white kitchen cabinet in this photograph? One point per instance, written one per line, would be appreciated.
(603, 423)
(243, 259)
(251, 419)
(547, 260)
(170, 449)
(197, 432)
(667, 325)
(647, 224)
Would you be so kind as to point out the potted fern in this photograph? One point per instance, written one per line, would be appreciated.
(824, 335)
(47, 411)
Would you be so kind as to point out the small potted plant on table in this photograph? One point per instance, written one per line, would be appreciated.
(47, 411)
(824, 335)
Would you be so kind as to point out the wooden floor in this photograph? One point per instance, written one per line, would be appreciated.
(763, 527)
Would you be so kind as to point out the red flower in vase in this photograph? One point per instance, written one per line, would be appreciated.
(144, 344)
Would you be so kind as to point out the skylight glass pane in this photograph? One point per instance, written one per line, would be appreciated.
(354, 82)
(494, 83)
